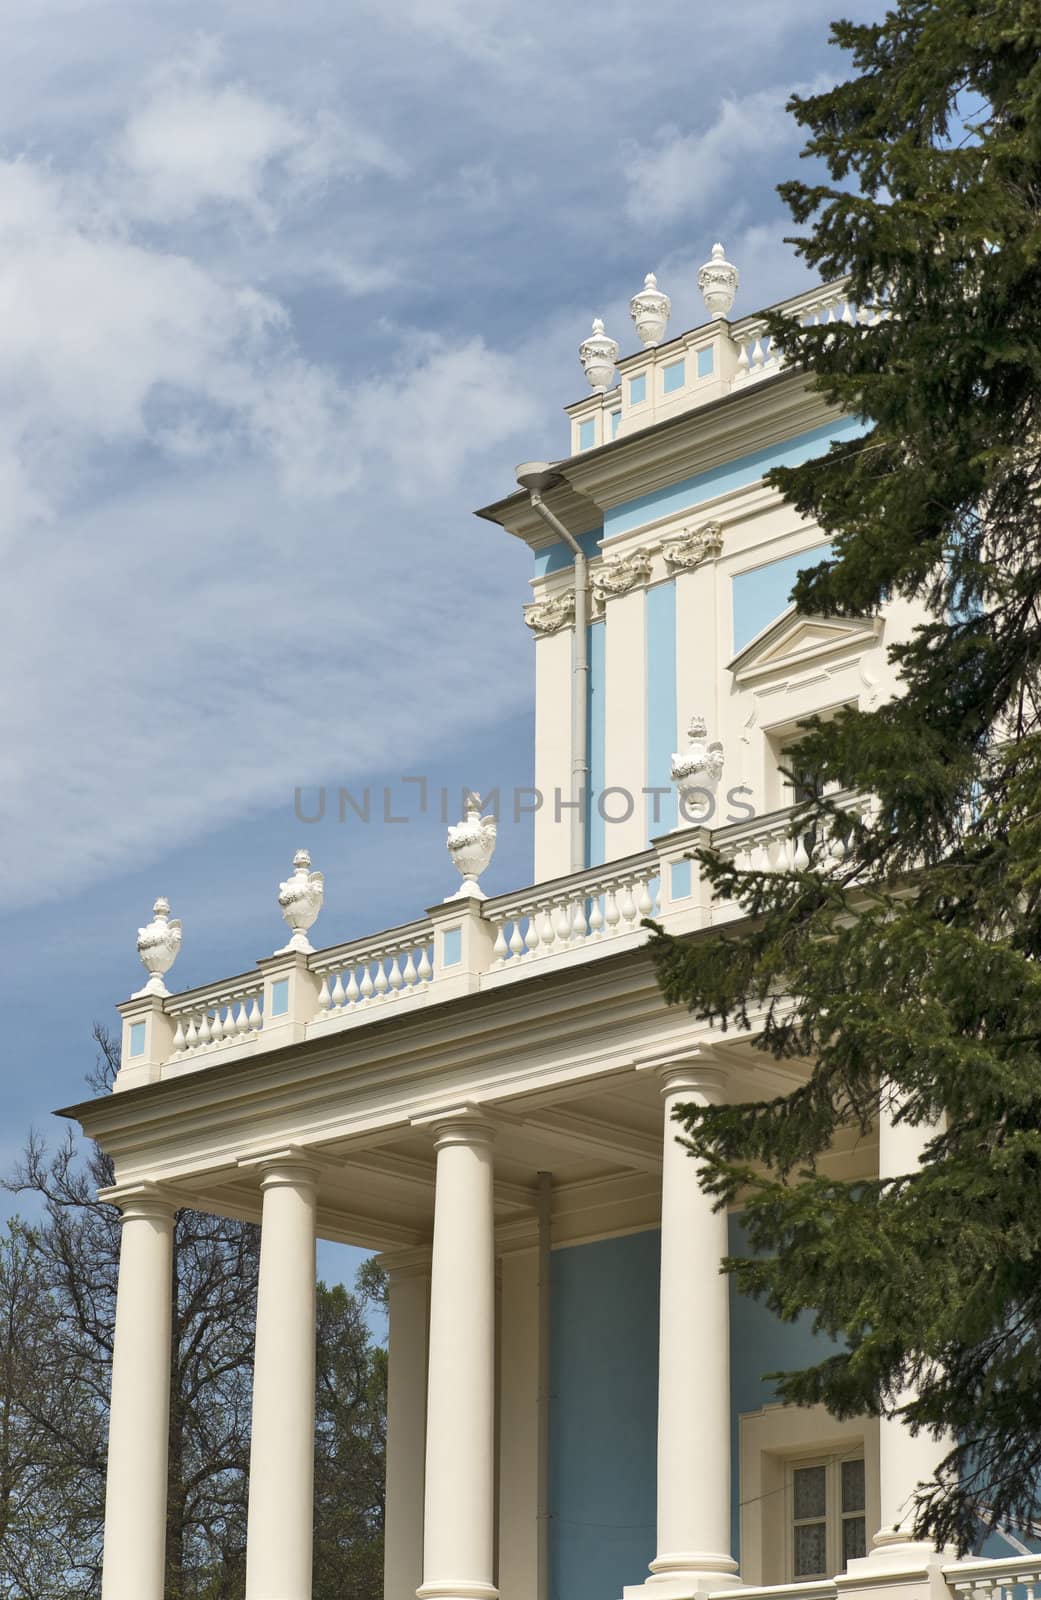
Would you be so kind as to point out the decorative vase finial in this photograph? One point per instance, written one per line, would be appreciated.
(598, 355)
(157, 946)
(718, 280)
(471, 845)
(697, 770)
(300, 900)
(650, 310)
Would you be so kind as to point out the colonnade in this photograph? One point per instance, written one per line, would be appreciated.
(693, 1463)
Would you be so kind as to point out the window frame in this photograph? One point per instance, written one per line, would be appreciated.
(834, 1517)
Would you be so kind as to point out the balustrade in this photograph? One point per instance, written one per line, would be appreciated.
(598, 906)
(215, 1017)
(374, 972)
(603, 907)
(757, 357)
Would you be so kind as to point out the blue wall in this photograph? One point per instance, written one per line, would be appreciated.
(759, 1342)
(596, 744)
(761, 594)
(605, 1387)
(661, 704)
(605, 1401)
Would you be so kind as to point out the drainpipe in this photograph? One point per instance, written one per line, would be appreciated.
(535, 476)
(544, 1385)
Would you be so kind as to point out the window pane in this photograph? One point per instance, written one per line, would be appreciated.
(810, 1550)
(853, 1486)
(854, 1539)
(808, 1483)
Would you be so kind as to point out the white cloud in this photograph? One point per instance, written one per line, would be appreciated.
(683, 171)
(205, 642)
(197, 143)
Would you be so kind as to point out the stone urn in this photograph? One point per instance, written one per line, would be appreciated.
(697, 770)
(650, 310)
(157, 945)
(718, 280)
(598, 355)
(471, 845)
(300, 900)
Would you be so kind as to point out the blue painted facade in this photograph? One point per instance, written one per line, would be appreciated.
(734, 474)
(596, 751)
(604, 1428)
(762, 593)
(661, 704)
(605, 1399)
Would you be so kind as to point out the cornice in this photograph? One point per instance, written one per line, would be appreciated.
(753, 418)
(558, 1036)
(739, 424)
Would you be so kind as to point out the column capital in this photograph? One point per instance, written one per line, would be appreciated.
(139, 1202)
(289, 1167)
(697, 1069)
(461, 1125)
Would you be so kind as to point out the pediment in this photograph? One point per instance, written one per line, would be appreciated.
(794, 640)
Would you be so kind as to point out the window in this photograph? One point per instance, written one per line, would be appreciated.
(638, 389)
(586, 434)
(706, 361)
(673, 377)
(828, 1516)
(616, 417)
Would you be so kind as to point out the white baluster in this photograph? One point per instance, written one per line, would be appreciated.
(579, 927)
(339, 994)
(596, 918)
(426, 971)
(800, 856)
(516, 940)
(531, 935)
(381, 978)
(178, 1038)
(256, 1016)
(366, 989)
(546, 934)
(627, 905)
(395, 980)
(744, 359)
(644, 903)
(205, 1034)
(241, 1019)
(410, 969)
(500, 949)
(612, 915)
(351, 993)
(562, 922)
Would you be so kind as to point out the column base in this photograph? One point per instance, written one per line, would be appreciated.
(685, 1576)
(463, 1589)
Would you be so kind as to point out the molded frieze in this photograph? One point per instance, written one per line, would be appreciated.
(617, 577)
(693, 546)
(549, 616)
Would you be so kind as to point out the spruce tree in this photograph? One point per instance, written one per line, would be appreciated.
(908, 972)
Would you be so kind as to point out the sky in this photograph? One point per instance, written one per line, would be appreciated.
(285, 293)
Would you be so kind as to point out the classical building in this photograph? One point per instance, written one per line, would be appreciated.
(577, 1405)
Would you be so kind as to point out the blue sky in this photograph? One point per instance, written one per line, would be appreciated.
(285, 291)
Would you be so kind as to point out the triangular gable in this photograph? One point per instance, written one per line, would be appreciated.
(794, 639)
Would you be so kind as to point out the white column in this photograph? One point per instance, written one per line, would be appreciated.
(459, 1519)
(139, 1419)
(279, 1538)
(408, 1306)
(693, 1363)
(905, 1460)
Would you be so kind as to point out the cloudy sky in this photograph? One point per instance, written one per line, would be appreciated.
(285, 291)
